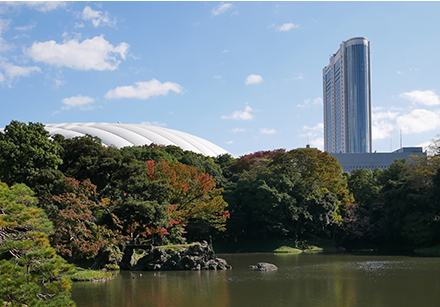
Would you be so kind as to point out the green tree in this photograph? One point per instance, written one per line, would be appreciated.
(141, 207)
(286, 194)
(421, 224)
(149, 152)
(406, 212)
(364, 186)
(106, 167)
(29, 156)
(31, 273)
(203, 164)
(269, 203)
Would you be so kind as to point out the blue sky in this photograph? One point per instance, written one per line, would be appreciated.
(246, 76)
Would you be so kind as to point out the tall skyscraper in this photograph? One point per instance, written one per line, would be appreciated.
(347, 98)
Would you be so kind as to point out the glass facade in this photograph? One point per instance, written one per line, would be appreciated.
(347, 122)
(329, 109)
(358, 107)
(339, 122)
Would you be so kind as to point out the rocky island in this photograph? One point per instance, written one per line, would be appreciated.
(194, 257)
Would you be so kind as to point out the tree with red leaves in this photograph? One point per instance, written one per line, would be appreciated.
(77, 233)
(246, 162)
(194, 195)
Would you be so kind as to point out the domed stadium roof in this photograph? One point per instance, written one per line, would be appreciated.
(122, 135)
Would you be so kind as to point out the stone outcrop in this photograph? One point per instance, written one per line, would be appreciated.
(194, 257)
(264, 267)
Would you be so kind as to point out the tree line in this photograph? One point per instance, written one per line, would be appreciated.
(82, 202)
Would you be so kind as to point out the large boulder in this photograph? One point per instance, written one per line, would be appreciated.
(193, 257)
(128, 260)
(264, 267)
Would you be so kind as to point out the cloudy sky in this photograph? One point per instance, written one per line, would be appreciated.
(246, 76)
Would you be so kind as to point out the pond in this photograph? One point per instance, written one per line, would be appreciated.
(304, 280)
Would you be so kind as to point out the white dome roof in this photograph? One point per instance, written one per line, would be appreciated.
(121, 135)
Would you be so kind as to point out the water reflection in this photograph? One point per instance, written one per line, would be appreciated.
(302, 280)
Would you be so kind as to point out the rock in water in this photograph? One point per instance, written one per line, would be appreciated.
(264, 267)
(194, 257)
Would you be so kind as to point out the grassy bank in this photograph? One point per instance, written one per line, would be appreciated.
(311, 245)
(81, 274)
(429, 251)
(176, 247)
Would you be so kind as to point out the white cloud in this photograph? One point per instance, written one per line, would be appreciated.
(253, 79)
(2, 78)
(382, 130)
(318, 143)
(286, 27)
(384, 115)
(45, 6)
(314, 135)
(97, 17)
(42, 6)
(229, 142)
(95, 53)
(21, 36)
(83, 102)
(382, 127)
(59, 83)
(319, 128)
(4, 25)
(267, 131)
(4, 46)
(426, 147)
(241, 115)
(377, 109)
(13, 71)
(235, 130)
(30, 26)
(217, 77)
(225, 51)
(144, 90)
(221, 8)
(418, 121)
(158, 124)
(428, 98)
(296, 76)
(78, 25)
(308, 102)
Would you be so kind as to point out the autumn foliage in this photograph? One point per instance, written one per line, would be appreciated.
(101, 198)
(194, 195)
(246, 162)
(77, 233)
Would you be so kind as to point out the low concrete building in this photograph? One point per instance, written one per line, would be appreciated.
(351, 161)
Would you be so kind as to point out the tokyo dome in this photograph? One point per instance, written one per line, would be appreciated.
(122, 135)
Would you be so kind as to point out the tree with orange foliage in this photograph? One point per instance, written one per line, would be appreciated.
(249, 161)
(194, 196)
(77, 233)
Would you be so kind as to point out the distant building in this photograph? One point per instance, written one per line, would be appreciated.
(347, 99)
(121, 135)
(351, 161)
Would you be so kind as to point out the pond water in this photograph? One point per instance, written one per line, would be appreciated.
(306, 280)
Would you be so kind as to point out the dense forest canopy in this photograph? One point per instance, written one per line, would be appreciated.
(75, 199)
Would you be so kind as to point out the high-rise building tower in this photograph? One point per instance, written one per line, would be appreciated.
(347, 98)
